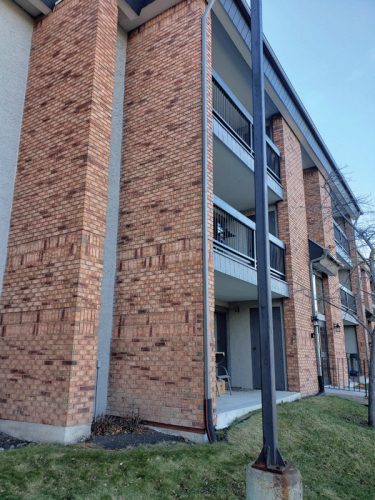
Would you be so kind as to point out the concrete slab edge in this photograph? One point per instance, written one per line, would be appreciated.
(194, 437)
(44, 433)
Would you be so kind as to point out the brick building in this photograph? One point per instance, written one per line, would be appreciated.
(102, 272)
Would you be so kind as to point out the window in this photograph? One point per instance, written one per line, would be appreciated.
(344, 278)
(272, 221)
(319, 294)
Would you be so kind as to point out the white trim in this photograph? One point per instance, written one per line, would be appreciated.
(41, 6)
(125, 8)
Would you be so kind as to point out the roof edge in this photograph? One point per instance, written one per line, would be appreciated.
(275, 63)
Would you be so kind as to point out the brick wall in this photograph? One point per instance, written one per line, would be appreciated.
(363, 339)
(320, 230)
(358, 286)
(50, 300)
(157, 342)
(301, 361)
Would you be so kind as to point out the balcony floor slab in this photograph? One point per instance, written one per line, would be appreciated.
(240, 403)
(235, 281)
(349, 318)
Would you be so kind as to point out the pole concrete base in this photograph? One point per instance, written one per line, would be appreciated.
(265, 485)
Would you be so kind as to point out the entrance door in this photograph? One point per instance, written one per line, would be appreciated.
(324, 353)
(221, 337)
(351, 348)
(278, 342)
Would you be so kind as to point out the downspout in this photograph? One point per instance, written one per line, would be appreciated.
(208, 411)
(316, 327)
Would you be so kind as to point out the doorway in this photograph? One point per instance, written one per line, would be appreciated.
(324, 351)
(278, 342)
(221, 338)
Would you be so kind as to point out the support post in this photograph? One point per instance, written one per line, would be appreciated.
(269, 478)
(270, 456)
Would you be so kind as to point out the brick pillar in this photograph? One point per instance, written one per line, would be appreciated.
(157, 342)
(320, 230)
(301, 361)
(364, 346)
(366, 289)
(49, 306)
(367, 294)
(358, 286)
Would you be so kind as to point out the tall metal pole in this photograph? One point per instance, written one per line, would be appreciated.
(270, 457)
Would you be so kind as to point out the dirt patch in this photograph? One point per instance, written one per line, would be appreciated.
(355, 419)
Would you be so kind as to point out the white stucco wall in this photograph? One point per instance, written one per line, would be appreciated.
(16, 29)
(110, 243)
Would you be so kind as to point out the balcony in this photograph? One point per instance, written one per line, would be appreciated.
(234, 234)
(237, 120)
(348, 299)
(343, 247)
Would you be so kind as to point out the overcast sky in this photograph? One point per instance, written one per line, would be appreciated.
(327, 49)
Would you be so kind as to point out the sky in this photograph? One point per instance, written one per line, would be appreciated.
(327, 49)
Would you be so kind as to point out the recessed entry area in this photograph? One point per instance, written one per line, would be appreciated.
(234, 180)
(238, 345)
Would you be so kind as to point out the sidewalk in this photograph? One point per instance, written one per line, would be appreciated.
(358, 396)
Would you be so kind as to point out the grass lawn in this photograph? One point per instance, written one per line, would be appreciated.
(325, 437)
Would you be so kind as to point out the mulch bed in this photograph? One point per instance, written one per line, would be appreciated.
(113, 433)
(147, 436)
(9, 442)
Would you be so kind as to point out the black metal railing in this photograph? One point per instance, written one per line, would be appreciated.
(349, 373)
(237, 237)
(277, 260)
(348, 300)
(273, 161)
(341, 238)
(230, 113)
(239, 123)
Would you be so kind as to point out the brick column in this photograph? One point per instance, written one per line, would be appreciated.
(157, 343)
(320, 230)
(301, 361)
(364, 346)
(49, 306)
(359, 287)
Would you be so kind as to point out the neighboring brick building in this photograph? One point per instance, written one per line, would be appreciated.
(102, 273)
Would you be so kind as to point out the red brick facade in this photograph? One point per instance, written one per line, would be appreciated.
(157, 343)
(320, 230)
(300, 350)
(360, 286)
(50, 302)
(49, 305)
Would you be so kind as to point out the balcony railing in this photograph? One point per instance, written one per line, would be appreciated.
(234, 116)
(234, 233)
(341, 238)
(348, 299)
(273, 159)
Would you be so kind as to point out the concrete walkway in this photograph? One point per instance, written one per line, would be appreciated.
(240, 403)
(344, 393)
